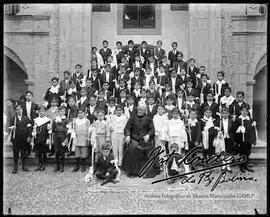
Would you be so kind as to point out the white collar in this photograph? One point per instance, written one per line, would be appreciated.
(28, 102)
(54, 89)
(102, 121)
(244, 118)
(192, 122)
(190, 103)
(40, 121)
(220, 82)
(207, 119)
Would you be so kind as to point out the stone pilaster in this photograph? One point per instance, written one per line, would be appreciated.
(53, 58)
(226, 44)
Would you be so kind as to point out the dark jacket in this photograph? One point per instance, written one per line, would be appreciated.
(23, 129)
(33, 110)
(138, 127)
(103, 165)
(105, 54)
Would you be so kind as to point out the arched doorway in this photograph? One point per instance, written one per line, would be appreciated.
(14, 75)
(260, 102)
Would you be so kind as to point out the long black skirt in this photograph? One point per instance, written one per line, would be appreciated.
(136, 157)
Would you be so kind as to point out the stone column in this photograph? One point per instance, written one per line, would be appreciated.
(226, 44)
(53, 59)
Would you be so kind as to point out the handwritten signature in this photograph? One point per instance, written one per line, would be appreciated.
(190, 158)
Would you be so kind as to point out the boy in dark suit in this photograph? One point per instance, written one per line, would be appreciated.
(192, 71)
(20, 136)
(64, 84)
(174, 81)
(136, 93)
(203, 88)
(152, 91)
(59, 128)
(159, 52)
(130, 108)
(227, 100)
(30, 109)
(130, 53)
(90, 88)
(238, 104)
(92, 109)
(105, 51)
(193, 128)
(101, 102)
(105, 168)
(219, 86)
(166, 65)
(119, 53)
(122, 86)
(179, 63)
(79, 77)
(173, 54)
(95, 80)
(107, 92)
(245, 136)
(136, 78)
(151, 106)
(211, 104)
(53, 92)
(83, 101)
(227, 126)
(107, 76)
(122, 98)
(145, 52)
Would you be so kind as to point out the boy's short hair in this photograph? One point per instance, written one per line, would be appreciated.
(66, 72)
(72, 81)
(40, 107)
(124, 91)
(112, 99)
(180, 90)
(106, 147)
(54, 99)
(225, 109)
(105, 82)
(130, 42)
(137, 82)
(151, 96)
(137, 69)
(100, 111)
(210, 92)
(81, 110)
(118, 42)
(130, 97)
(174, 145)
(119, 107)
(228, 88)
(168, 85)
(144, 42)
(171, 96)
(61, 108)
(29, 91)
(207, 108)
(221, 72)
(173, 71)
(151, 81)
(204, 75)
(17, 105)
(107, 65)
(188, 80)
(94, 48)
(202, 67)
(180, 54)
(192, 59)
(105, 41)
(83, 89)
(194, 110)
(54, 78)
(246, 106)
(159, 41)
(161, 66)
(92, 96)
(174, 43)
(71, 98)
(175, 110)
(78, 65)
(240, 92)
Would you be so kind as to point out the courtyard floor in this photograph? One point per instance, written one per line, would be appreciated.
(41, 193)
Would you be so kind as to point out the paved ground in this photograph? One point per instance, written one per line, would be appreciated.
(46, 192)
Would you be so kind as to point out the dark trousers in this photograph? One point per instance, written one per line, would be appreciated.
(41, 152)
(229, 146)
(19, 147)
(59, 149)
(112, 174)
(211, 149)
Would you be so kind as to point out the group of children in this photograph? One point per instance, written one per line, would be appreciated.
(88, 112)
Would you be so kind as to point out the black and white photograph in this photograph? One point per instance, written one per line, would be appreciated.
(123, 109)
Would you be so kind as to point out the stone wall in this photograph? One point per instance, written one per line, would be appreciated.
(27, 36)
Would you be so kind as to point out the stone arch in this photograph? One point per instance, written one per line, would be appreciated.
(15, 75)
(12, 55)
(258, 88)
